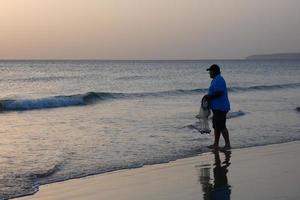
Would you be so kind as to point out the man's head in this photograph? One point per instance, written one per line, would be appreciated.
(214, 70)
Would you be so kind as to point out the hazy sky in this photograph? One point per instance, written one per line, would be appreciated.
(147, 29)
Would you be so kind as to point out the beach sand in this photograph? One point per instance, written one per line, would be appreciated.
(267, 172)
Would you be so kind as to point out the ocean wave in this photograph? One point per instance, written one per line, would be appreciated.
(38, 79)
(53, 102)
(46, 172)
(131, 78)
(235, 114)
(230, 115)
(241, 89)
(92, 97)
(265, 87)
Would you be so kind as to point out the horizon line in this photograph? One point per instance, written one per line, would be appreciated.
(96, 59)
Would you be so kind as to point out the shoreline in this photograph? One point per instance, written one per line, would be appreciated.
(236, 172)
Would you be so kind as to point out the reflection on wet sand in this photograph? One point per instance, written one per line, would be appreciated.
(218, 189)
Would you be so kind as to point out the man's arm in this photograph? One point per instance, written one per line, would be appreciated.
(214, 95)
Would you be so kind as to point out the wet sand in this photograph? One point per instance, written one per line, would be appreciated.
(267, 172)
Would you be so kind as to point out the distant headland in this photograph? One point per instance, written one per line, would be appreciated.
(279, 56)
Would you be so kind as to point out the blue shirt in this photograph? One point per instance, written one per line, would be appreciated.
(218, 84)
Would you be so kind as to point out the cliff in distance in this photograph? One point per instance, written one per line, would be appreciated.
(280, 56)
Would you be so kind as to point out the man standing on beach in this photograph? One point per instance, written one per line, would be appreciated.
(219, 104)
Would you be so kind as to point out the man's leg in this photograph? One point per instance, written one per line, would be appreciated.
(225, 135)
(217, 132)
(217, 137)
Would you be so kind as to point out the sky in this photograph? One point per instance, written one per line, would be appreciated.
(147, 29)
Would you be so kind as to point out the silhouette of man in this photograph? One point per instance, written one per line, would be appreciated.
(219, 189)
(219, 104)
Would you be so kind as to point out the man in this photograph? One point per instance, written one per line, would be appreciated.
(219, 104)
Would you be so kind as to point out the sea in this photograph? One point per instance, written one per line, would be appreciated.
(66, 119)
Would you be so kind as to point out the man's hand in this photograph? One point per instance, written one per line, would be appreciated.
(207, 97)
(215, 95)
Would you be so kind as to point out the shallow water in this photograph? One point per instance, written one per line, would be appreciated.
(68, 119)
